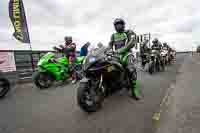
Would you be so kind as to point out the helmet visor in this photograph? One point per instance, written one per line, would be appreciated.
(119, 27)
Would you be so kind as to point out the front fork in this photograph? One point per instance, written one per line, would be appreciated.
(40, 70)
(97, 85)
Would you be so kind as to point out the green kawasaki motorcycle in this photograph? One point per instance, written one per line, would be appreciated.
(51, 69)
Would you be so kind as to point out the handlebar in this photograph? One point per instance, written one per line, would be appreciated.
(110, 54)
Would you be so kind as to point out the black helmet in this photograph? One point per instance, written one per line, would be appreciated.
(164, 44)
(68, 38)
(119, 25)
(119, 21)
(155, 40)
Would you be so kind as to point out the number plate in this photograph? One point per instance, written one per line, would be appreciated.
(110, 68)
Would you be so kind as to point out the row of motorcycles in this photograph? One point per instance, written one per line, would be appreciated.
(101, 73)
(158, 60)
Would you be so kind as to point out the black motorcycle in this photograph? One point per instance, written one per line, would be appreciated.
(104, 74)
(145, 59)
(154, 64)
(4, 86)
(171, 57)
(163, 59)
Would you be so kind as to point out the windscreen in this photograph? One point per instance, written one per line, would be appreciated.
(93, 56)
(97, 52)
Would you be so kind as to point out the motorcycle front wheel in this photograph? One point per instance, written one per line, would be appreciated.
(151, 67)
(170, 60)
(88, 99)
(43, 80)
(163, 65)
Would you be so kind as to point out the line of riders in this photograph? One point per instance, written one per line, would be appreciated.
(102, 72)
(158, 56)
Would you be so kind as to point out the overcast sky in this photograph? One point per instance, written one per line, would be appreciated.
(175, 21)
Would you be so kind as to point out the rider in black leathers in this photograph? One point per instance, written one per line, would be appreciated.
(157, 45)
(144, 51)
(165, 46)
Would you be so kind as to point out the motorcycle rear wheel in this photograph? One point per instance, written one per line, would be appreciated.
(163, 66)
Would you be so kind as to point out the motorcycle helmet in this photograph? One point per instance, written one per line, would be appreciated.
(119, 25)
(68, 39)
(164, 44)
(155, 41)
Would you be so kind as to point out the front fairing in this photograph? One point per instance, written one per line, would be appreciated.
(45, 59)
(93, 57)
(153, 53)
(63, 60)
(164, 53)
(45, 64)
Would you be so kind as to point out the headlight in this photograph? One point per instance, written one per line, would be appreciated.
(92, 59)
(163, 54)
(84, 61)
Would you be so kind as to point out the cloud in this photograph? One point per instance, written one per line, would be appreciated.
(176, 21)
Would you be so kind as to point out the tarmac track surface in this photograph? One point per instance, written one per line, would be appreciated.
(28, 110)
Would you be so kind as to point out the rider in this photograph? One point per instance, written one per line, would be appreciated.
(69, 49)
(156, 45)
(172, 56)
(122, 39)
(165, 46)
(143, 51)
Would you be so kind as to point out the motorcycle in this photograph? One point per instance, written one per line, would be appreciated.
(174, 55)
(154, 64)
(4, 86)
(145, 59)
(171, 56)
(104, 74)
(51, 69)
(164, 59)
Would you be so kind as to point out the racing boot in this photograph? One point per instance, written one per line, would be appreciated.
(135, 92)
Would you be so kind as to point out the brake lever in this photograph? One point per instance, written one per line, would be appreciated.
(108, 53)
